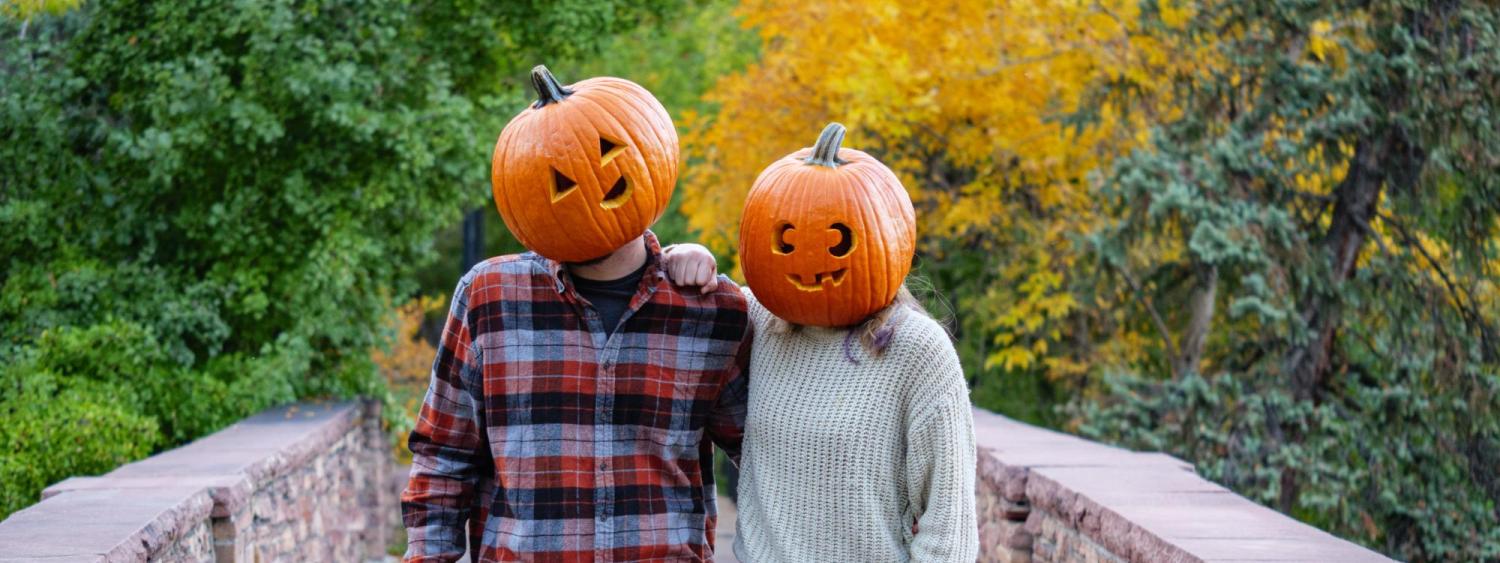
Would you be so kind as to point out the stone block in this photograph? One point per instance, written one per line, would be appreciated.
(104, 524)
(1084, 501)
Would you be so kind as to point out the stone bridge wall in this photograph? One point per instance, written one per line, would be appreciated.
(1048, 496)
(305, 482)
(308, 482)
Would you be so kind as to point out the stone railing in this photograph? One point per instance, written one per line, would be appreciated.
(309, 482)
(305, 482)
(1048, 496)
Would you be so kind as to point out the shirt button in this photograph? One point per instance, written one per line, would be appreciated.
(604, 466)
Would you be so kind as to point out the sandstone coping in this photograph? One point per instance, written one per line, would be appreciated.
(226, 463)
(109, 525)
(1131, 506)
(135, 511)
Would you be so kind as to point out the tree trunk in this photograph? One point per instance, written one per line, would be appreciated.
(1355, 201)
(1201, 311)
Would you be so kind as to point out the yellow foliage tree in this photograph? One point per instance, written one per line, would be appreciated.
(984, 109)
(407, 364)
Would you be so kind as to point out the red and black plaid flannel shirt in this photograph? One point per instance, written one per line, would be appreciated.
(555, 441)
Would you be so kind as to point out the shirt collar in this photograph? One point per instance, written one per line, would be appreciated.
(562, 281)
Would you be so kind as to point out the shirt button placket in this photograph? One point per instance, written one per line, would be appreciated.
(604, 479)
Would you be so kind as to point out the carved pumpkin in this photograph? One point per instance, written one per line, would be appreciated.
(586, 168)
(828, 235)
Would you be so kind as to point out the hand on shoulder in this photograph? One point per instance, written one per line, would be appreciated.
(691, 265)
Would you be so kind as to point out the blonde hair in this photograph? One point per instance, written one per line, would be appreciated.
(876, 331)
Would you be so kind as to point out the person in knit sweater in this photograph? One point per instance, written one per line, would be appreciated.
(859, 441)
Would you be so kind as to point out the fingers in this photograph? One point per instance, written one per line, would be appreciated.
(707, 277)
(689, 265)
(677, 270)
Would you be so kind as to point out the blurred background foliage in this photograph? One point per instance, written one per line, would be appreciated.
(1260, 235)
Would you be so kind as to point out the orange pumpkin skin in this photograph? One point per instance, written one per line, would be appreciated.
(586, 168)
(828, 235)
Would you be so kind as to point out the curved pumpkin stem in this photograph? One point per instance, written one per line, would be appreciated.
(826, 151)
(548, 90)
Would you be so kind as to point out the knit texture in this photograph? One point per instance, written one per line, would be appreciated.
(841, 458)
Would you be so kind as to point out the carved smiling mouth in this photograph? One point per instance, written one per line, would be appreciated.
(835, 277)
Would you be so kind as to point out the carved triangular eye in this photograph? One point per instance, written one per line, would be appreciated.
(562, 185)
(608, 150)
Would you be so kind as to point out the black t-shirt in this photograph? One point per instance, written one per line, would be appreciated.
(610, 297)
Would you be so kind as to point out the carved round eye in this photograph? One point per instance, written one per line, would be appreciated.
(846, 240)
(782, 246)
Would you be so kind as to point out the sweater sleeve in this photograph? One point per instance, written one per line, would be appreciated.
(940, 465)
(759, 316)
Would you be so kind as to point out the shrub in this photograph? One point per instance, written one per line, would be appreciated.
(208, 206)
(52, 427)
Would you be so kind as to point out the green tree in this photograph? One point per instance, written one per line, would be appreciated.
(677, 55)
(238, 188)
(1315, 233)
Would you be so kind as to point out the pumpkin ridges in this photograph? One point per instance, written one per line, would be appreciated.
(589, 162)
(665, 147)
(552, 137)
(810, 204)
(875, 247)
(652, 162)
(855, 212)
(554, 226)
(635, 142)
(759, 222)
(666, 138)
(524, 121)
(861, 193)
(651, 105)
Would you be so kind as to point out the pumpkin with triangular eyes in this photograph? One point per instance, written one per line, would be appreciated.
(586, 168)
(828, 235)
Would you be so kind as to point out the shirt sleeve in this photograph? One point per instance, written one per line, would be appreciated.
(941, 464)
(447, 445)
(726, 425)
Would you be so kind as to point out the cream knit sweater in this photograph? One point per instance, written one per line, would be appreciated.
(840, 459)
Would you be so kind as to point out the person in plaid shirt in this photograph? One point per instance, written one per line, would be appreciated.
(573, 408)
(554, 439)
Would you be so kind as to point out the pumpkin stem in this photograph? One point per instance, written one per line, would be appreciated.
(826, 151)
(548, 90)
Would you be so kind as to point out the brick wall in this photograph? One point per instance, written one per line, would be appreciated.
(304, 482)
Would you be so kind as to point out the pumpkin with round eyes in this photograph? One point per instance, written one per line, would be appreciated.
(828, 235)
(586, 168)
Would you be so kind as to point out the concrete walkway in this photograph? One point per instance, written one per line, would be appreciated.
(724, 534)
